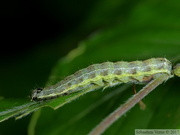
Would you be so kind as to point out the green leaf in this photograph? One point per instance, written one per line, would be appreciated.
(17, 108)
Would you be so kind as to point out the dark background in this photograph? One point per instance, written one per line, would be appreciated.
(34, 33)
(25, 24)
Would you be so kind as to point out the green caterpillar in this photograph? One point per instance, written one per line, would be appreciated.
(108, 74)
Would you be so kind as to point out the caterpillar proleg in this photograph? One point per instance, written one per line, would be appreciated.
(109, 74)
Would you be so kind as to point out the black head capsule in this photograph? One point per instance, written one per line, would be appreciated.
(34, 94)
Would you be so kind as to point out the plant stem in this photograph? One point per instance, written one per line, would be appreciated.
(109, 120)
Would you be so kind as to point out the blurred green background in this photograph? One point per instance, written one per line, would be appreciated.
(38, 35)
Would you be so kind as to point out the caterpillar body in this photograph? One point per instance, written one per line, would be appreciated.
(108, 74)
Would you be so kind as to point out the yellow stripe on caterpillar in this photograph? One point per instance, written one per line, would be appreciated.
(108, 74)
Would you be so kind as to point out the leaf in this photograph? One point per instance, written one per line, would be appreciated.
(18, 110)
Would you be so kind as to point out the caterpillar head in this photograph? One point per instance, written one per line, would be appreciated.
(34, 94)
